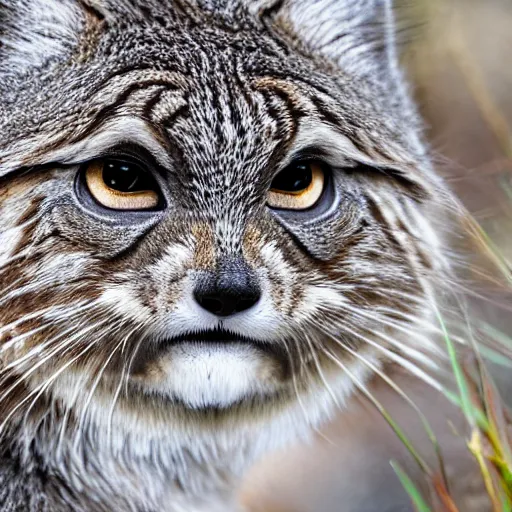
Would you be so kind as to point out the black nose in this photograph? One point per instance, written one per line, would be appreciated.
(231, 289)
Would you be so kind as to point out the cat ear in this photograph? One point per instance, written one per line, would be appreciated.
(359, 35)
(34, 32)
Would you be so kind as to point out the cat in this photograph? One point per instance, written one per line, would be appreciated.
(218, 220)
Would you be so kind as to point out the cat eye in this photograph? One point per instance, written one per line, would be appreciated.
(297, 187)
(121, 185)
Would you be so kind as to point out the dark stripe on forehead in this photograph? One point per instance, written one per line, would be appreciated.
(166, 107)
(110, 99)
(167, 81)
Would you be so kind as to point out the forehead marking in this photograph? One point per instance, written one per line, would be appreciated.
(252, 243)
(204, 251)
(116, 131)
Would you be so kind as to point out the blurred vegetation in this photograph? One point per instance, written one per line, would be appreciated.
(458, 56)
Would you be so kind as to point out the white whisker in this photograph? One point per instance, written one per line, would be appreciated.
(93, 389)
(405, 363)
(62, 349)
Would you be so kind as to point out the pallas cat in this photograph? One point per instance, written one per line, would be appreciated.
(217, 220)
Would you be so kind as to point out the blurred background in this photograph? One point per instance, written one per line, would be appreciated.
(458, 56)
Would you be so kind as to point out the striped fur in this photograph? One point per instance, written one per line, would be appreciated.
(218, 96)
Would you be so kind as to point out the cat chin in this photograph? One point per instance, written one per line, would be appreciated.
(213, 375)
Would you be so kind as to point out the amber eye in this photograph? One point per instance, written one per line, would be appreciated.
(121, 185)
(297, 187)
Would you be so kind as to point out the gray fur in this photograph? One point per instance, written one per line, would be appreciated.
(220, 96)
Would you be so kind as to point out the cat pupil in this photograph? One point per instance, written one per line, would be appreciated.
(121, 176)
(294, 178)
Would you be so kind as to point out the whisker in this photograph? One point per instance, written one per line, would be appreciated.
(79, 384)
(42, 312)
(392, 355)
(39, 390)
(120, 385)
(411, 352)
(294, 382)
(36, 285)
(58, 349)
(383, 376)
(319, 370)
(41, 346)
(98, 338)
(36, 350)
(366, 392)
(93, 390)
(389, 322)
(132, 358)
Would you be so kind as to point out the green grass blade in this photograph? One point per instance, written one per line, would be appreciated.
(478, 415)
(410, 488)
(465, 395)
(404, 440)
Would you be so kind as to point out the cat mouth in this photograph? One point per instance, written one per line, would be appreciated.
(213, 368)
(219, 337)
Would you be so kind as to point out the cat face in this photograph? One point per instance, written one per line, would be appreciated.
(206, 208)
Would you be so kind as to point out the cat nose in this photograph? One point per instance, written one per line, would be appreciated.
(233, 288)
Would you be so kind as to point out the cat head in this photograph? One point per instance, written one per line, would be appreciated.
(210, 210)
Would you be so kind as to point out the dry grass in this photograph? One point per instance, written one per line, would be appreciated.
(488, 418)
